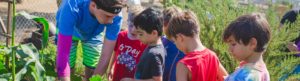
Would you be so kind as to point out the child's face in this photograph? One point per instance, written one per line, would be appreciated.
(238, 50)
(131, 29)
(145, 37)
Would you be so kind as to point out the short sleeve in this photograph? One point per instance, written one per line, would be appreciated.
(157, 65)
(250, 77)
(67, 16)
(118, 42)
(246, 75)
(113, 29)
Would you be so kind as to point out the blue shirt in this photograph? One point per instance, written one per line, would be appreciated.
(74, 19)
(173, 56)
(250, 72)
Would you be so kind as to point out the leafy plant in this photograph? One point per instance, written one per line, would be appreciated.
(215, 15)
(28, 65)
(96, 78)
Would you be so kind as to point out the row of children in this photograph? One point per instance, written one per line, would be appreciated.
(247, 38)
(144, 53)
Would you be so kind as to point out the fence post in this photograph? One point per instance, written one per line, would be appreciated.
(9, 19)
(8, 25)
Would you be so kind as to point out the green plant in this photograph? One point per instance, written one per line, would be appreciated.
(97, 78)
(29, 66)
(215, 15)
(13, 41)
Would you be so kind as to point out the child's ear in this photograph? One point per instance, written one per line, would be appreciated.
(253, 43)
(154, 32)
(93, 5)
(180, 37)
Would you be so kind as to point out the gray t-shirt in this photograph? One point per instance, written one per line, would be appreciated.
(151, 62)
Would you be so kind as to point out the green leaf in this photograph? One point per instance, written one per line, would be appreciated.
(50, 78)
(96, 78)
(5, 50)
(32, 56)
(23, 71)
(27, 15)
(45, 24)
(39, 20)
(2, 68)
(5, 77)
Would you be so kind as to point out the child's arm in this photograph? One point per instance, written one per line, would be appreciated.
(182, 72)
(66, 21)
(64, 44)
(222, 73)
(111, 67)
(292, 47)
(157, 78)
(111, 34)
(107, 50)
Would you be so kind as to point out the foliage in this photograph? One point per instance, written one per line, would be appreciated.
(28, 64)
(97, 78)
(215, 15)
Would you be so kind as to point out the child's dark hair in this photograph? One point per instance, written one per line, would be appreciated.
(185, 23)
(149, 20)
(169, 12)
(112, 6)
(249, 26)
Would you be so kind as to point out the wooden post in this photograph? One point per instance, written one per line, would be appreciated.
(3, 27)
(9, 20)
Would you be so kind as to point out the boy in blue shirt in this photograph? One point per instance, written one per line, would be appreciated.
(173, 54)
(85, 20)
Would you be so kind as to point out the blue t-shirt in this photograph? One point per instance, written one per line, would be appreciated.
(250, 72)
(173, 56)
(74, 19)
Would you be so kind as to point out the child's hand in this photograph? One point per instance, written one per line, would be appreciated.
(127, 79)
(292, 47)
(109, 76)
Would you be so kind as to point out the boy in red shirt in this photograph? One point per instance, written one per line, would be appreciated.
(199, 63)
(128, 49)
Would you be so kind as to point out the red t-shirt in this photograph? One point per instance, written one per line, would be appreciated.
(128, 53)
(203, 65)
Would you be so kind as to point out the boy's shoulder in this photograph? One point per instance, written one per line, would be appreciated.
(200, 56)
(123, 33)
(154, 51)
(205, 52)
(250, 72)
(75, 6)
(77, 3)
(157, 49)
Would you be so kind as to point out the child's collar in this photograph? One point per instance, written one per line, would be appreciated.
(257, 66)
